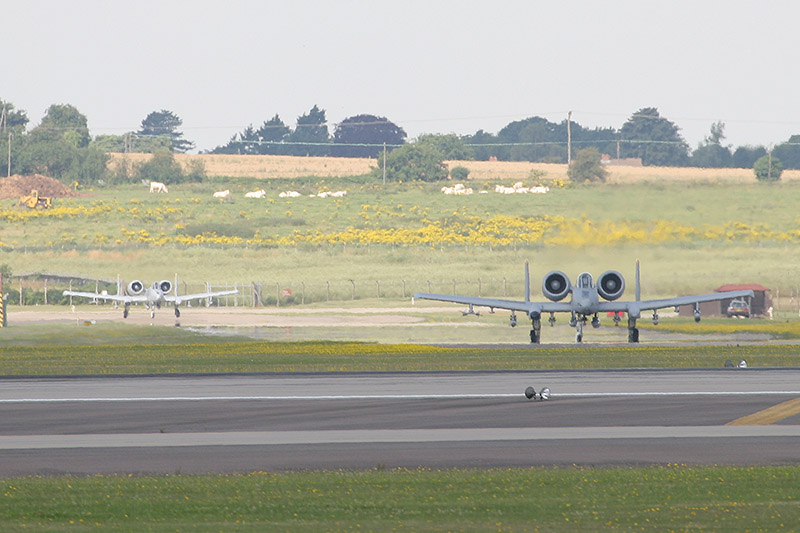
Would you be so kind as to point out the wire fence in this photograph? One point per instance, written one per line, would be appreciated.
(265, 293)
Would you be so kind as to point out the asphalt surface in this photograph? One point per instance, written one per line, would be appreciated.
(276, 422)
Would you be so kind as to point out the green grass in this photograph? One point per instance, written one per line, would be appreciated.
(250, 356)
(665, 498)
(87, 244)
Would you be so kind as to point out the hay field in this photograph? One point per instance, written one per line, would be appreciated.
(278, 166)
(265, 166)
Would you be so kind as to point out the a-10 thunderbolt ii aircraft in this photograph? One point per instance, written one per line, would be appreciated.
(585, 301)
(152, 297)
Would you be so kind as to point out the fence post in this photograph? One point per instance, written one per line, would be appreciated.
(45, 291)
(479, 287)
(454, 285)
(505, 289)
(302, 293)
(404, 289)
(328, 291)
(354, 288)
(378, 282)
(277, 294)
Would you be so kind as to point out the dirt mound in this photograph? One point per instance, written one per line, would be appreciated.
(16, 186)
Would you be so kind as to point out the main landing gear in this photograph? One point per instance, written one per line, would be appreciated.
(536, 332)
(633, 331)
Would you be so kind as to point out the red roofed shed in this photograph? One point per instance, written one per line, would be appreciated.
(761, 301)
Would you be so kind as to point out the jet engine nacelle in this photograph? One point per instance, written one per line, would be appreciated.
(556, 285)
(164, 286)
(610, 285)
(135, 287)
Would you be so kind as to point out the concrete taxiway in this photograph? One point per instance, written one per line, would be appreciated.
(232, 423)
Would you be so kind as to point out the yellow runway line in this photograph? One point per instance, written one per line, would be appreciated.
(770, 415)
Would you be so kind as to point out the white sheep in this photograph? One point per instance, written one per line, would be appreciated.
(289, 194)
(222, 194)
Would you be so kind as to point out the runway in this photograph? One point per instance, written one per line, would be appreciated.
(276, 422)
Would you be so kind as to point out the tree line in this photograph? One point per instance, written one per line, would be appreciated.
(61, 146)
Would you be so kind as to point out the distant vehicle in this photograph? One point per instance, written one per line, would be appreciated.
(152, 297)
(585, 302)
(34, 201)
(738, 308)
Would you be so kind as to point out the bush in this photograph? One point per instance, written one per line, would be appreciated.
(586, 166)
(459, 173)
(768, 168)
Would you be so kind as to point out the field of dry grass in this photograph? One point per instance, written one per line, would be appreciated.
(276, 166)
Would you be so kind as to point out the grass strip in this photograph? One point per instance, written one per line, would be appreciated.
(672, 497)
(253, 356)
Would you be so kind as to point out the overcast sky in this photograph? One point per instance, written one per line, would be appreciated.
(429, 66)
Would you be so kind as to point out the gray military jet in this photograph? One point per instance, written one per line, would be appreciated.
(585, 301)
(152, 297)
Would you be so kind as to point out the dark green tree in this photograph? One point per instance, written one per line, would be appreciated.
(768, 168)
(586, 166)
(451, 146)
(369, 133)
(165, 124)
(482, 143)
(746, 156)
(310, 136)
(66, 122)
(789, 152)
(654, 139)
(414, 161)
(11, 118)
(710, 153)
(161, 167)
(271, 135)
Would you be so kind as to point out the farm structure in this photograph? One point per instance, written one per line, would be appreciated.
(761, 302)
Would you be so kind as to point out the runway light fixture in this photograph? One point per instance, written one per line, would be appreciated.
(545, 394)
(742, 364)
(530, 393)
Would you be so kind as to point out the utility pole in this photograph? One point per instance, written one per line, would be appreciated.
(10, 135)
(384, 163)
(569, 138)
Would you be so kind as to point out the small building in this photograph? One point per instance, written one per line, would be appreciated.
(761, 301)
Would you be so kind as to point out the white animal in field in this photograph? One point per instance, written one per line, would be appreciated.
(503, 189)
(256, 194)
(335, 194)
(222, 194)
(290, 194)
(156, 186)
(459, 189)
(540, 190)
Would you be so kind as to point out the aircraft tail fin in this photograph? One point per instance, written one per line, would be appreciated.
(638, 283)
(527, 283)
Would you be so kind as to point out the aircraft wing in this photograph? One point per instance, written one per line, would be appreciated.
(496, 303)
(198, 296)
(112, 297)
(634, 307)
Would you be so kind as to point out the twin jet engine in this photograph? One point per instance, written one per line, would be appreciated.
(136, 287)
(556, 285)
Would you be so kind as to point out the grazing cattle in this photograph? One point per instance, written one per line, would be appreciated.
(289, 194)
(222, 194)
(459, 189)
(156, 186)
(256, 194)
(336, 194)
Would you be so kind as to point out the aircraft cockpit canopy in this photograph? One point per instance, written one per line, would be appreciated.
(585, 281)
